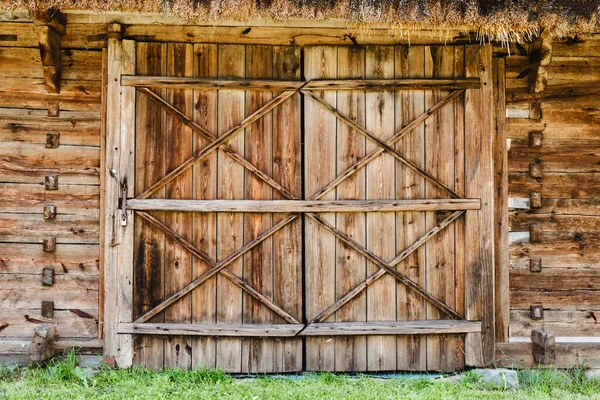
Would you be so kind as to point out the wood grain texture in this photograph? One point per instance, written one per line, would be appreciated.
(320, 62)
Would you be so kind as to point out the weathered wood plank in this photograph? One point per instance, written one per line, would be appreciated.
(77, 36)
(287, 170)
(431, 327)
(150, 167)
(257, 354)
(253, 83)
(320, 62)
(380, 226)
(216, 330)
(549, 222)
(555, 280)
(178, 262)
(204, 224)
(501, 164)
(282, 35)
(375, 83)
(230, 227)
(479, 274)
(574, 158)
(350, 268)
(296, 206)
(411, 349)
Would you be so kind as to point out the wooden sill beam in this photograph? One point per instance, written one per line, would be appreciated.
(50, 25)
(298, 206)
(236, 330)
(271, 85)
(430, 327)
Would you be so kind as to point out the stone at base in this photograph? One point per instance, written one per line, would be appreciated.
(500, 378)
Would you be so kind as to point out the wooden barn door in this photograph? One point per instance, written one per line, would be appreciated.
(324, 212)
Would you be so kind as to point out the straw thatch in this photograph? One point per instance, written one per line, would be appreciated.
(504, 20)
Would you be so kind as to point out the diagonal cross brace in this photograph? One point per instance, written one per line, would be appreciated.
(210, 137)
(216, 143)
(216, 268)
(399, 135)
(383, 145)
(386, 267)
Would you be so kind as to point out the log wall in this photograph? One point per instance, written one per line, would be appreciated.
(565, 171)
(567, 287)
(25, 161)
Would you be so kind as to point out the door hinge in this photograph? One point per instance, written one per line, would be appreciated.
(123, 205)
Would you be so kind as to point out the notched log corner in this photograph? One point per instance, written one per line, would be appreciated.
(42, 344)
(50, 26)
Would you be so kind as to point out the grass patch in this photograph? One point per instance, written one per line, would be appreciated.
(63, 379)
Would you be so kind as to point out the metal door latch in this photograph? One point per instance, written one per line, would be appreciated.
(124, 205)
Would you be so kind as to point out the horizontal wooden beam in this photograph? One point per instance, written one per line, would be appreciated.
(430, 327)
(209, 84)
(275, 85)
(297, 206)
(394, 84)
(237, 330)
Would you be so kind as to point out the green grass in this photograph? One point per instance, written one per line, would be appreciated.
(63, 379)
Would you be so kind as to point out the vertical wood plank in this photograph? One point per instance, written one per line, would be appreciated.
(287, 170)
(150, 167)
(479, 228)
(103, 174)
(178, 261)
(501, 250)
(440, 150)
(113, 112)
(257, 353)
(412, 349)
(459, 187)
(350, 351)
(127, 179)
(230, 226)
(205, 224)
(320, 62)
(381, 227)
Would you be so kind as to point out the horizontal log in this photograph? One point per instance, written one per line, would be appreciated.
(77, 36)
(283, 35)
(235, 330)
(61, 346)
(560, 323)
(574, 158)
(209, 84)
(31, 93)
(568, 355)
(75, 64)
(552, 92)
(521, 221)
(559, 300)
(27, 162)
(74, 324)
(555, 280)
(76, 128)
(431, 327)
(393, 84)
(32, 283)
(296, 206)
(31, 228)
(79, 298)
(68, 259)
(69, 199)
(555, 185)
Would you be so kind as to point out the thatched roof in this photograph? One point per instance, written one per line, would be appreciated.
(505, 20)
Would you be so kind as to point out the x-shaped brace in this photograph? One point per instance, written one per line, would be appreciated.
(220, 267)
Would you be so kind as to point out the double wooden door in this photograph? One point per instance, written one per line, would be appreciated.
(316, 208)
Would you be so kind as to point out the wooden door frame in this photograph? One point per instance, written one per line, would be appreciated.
(118, 218)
